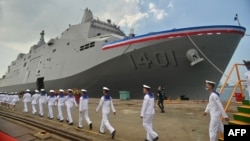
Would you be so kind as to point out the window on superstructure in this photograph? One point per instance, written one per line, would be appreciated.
(87, 46)
(68, 43)
(92, 44)
(24, 65)
(54, 50)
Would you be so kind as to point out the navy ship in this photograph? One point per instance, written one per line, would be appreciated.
(97, 53)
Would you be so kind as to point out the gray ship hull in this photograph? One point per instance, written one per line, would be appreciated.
(160, 64)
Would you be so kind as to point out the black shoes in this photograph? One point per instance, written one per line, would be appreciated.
(61, 120)
(156, 139)
(79, 127)
(71, 123)
(101, 132)
(90, 126)
(113, 134)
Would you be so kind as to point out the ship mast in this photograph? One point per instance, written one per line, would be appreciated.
(41, 41)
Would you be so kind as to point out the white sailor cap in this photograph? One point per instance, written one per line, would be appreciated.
(36, 91)
(61, 90)
(105, 88)
(51, 91)
(70, 90)
(210, 82)
(146, 86)
(42, 90)
(83, 90)
(27, 90)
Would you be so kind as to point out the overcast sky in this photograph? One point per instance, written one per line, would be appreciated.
(21, 21)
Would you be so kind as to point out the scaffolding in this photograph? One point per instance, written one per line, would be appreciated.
(237, 85)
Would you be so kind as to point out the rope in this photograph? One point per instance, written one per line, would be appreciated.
(201, 52)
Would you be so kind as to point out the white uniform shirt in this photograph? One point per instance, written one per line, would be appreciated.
(214, 106)
(4, 98)
(10, 97)
(15, 98)
(34, 99)
(70, 101)
(148, 105)
(106, 103)
(60, 100)
(43, 98)
(83, 103)
(27, 97)
(51, 100)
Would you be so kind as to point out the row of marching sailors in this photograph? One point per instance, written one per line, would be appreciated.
(56, 100)
(9, 99)
(69, 100)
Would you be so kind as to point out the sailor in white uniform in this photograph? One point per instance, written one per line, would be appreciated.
(147, 114)
(42, 100)
(51, 102)
(1, 96)
(60, 103)
(83, 109)
(9, 100)
(106, 102)
(215, 108)
(15, 100)
(247, 74)
(34, 100)
(70, 102)
(26, 100)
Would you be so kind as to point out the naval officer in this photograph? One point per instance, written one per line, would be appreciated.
(15, 100)
(106, 103)
(26, 99)
(83, 109)
(161, 97)
(70, 102)
(34, 100)
(51, 102)
(9, 99)
(215, 108)
(247, 74)
(147, 114)
(60, 103)
(42, 101)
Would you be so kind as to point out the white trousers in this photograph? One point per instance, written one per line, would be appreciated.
(14, 103)
(33, 108)
(69, 111)
(83, 113)
(50, 113)
(215, 125)
(60, 114)
(148, 125)
(105, 123)
(25, 107)
(41, 104)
